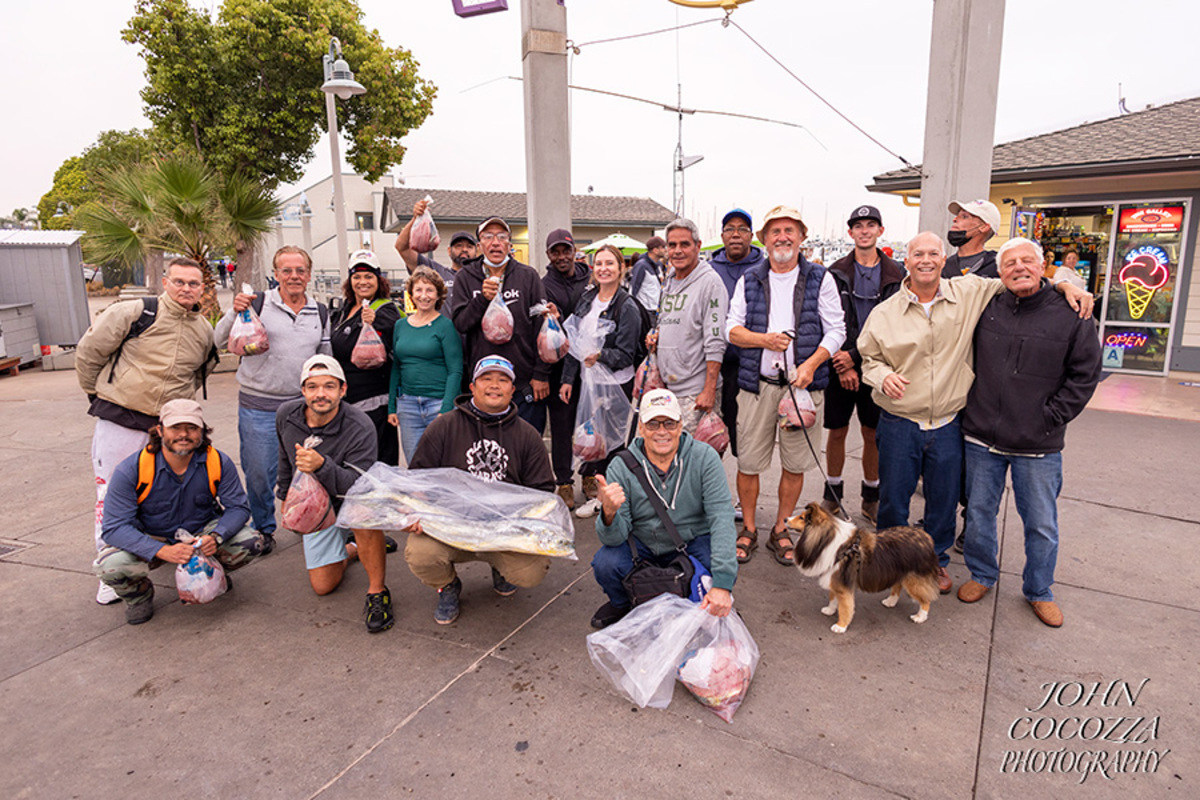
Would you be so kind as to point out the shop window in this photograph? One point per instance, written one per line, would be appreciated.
(364, 220)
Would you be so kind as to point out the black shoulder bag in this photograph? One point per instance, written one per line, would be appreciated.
(647, 580)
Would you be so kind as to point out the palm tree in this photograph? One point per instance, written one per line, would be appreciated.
(249, 209)
(174, 204)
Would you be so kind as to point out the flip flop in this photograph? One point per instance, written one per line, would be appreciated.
(783, 552)
(748, 549)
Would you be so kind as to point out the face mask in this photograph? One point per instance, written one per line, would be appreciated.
(957, 238)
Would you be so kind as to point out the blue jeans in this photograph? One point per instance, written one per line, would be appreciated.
(907, 453)
(1036, 484)
(414, 415)
(611, 564)
(259, 445)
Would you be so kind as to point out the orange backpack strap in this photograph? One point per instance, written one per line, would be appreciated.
(145, 474)
(213, 464)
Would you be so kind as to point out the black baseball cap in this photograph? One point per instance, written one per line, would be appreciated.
(559, 236)
(864, 212)
(463, 235)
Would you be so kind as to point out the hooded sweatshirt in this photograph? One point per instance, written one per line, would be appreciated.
(691, 326)
(500, 447)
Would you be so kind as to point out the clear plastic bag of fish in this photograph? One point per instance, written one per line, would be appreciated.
(712, 431)
(461, 510)
(552, 342)
(248, 336)
(497, 321)
(201, 579)
(603, 416)
(423, 236)
(307, 508)
(369, 351)
(797, 413)
(647, 378)
(719, 664)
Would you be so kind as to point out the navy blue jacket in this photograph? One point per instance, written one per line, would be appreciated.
(805, 299)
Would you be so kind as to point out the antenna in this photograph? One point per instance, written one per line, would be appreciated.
(1121, 101)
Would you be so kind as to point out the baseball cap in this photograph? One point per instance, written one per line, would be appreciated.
(181, 410)
(463, 235)
(864, 212)
(737, 212)
(559, 236)
(983, 209)
(494, 364)
(492, 221)
(321, 365)
(782, 212)
(659, 403)
(364, 260)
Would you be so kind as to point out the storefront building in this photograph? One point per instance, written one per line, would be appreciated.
(1117, 200)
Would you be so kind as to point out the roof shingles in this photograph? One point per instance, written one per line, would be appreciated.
(476, 206)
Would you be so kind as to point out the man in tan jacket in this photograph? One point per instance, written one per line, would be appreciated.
(128, 379)
(918, 354)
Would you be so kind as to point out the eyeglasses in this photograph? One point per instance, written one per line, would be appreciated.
(499, 237)
(735, 229)
(182, 284)
(666, 424)
(289, 271)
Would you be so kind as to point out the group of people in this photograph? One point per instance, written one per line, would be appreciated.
(977, 347)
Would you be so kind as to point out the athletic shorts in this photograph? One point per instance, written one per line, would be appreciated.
(840, 405)
(326, 546)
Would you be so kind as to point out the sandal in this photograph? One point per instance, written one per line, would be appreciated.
(780, 544)
(745, 552)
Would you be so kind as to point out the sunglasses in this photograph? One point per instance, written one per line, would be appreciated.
(666, 424)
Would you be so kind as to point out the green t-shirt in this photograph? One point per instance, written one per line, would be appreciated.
(427, 361)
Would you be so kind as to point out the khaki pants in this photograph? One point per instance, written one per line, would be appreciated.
(433, 562)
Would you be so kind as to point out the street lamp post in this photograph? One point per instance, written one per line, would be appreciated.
(339, 81)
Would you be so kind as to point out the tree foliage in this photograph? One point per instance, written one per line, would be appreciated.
(244, 90)
(76, 181)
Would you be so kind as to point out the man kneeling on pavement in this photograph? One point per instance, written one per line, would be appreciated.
(690, 481)
(484, 436)
(349, 443)
(178, 483)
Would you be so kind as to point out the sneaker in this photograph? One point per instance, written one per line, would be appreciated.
(106, 595)
(738, 516)
(607, 614)
(832, 500)
(567, 492)
(591, 487)
(378, 611)
(268, 543)
(589, 509)
(143, 609)
(447, 607)
(502, 587)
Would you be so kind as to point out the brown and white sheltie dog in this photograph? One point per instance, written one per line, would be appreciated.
(843, 557)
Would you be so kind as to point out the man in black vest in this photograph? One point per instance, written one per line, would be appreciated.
(786, 316)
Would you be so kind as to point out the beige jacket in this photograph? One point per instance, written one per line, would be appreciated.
(161, 364)
(935, 352)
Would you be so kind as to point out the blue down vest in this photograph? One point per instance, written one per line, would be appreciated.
(809, 330)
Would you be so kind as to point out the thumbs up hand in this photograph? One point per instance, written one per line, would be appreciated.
(612, 496)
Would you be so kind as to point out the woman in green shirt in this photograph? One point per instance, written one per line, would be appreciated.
(427, 362)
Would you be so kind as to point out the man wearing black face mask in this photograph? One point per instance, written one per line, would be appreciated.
(975, 221)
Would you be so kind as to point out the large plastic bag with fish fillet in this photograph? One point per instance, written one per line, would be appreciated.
(640, 654)
(647, 378)
(369, 351)
(797, 410)
(472, 511)
(248, 336)
(497, 321)
(712, 431)
(307, 509)
(201, 579)
(423, 236)
(602, 417)
(552, 342)
(719, 664)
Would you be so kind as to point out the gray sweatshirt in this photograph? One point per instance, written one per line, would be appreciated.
(269, 379)
(691, 323)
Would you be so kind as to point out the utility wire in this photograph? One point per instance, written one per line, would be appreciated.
(577, 47)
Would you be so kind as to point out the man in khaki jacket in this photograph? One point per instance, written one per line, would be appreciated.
(917, 351)
(128, 379)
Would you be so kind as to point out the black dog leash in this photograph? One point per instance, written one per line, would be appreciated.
(817, 458)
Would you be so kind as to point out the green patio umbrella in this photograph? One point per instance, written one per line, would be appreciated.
(625, 244)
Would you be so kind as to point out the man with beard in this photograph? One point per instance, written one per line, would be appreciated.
(564, 282)
(462, 248)
(179, 482)
(787, 319)
(482, 436)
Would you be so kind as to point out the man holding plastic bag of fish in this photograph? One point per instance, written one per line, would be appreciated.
(482, 436)
(347, 441)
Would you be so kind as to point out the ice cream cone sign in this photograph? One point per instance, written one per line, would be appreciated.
(1144, 273)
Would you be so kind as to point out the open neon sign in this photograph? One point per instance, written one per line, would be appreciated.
(1127, 340)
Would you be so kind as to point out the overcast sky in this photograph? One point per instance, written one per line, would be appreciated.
(71, 76)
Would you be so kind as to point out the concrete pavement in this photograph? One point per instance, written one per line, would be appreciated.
(273, 692)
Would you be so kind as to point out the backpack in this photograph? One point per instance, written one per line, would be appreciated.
(647, 326)
(145, 481)
(259, 297)
(141, 325)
